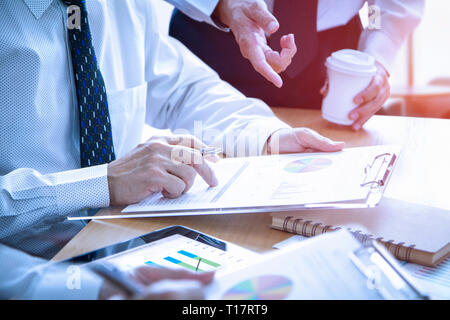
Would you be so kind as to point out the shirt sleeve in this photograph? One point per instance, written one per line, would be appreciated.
(397, 19)
(187, 96)
(199, 10)
(27, 196)
(27, 277)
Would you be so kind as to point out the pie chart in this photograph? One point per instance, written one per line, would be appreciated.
(308, 165)
(266, 287)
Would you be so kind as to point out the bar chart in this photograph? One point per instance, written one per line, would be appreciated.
(180, 252)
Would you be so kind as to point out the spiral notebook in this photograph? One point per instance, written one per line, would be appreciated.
(411, 232)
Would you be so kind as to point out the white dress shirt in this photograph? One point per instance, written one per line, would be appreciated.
(199, 10)
(149, 77)
(26, 277)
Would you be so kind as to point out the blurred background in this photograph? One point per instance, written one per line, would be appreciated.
(420, 79)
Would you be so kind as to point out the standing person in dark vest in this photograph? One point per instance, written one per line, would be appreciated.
(319, 28)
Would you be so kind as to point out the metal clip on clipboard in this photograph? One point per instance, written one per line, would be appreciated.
(376, 176)
(381, 164)
(384, 274)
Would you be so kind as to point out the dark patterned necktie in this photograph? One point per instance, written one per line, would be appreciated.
(96, 143)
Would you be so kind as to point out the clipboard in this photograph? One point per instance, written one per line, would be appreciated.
(375, 177)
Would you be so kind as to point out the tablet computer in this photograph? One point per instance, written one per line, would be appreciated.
(171, 247)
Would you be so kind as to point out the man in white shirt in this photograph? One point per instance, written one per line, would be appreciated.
(320, 27)
(26, 277)
(78, 81)
(76, 97)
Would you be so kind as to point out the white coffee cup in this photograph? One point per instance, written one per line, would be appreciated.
(349, 73)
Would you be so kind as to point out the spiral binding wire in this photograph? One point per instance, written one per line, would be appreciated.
(394, 248)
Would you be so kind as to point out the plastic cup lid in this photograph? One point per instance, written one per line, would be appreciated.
(351, 61)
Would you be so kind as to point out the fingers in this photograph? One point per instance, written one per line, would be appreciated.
(179, 169)
(301, 140)
(186, 140)
(148, 275)
(174, 290)
(280, 61)
(379, 81)
(257, 58)
(250, 22)
(163, 164)
(310, 140)
(195, 160)
(253, 46)
(258, 12)
(171, 284)
(365, 111)
(173, 186)
(370, 100)
(288, 47)
(186, 151)
(269, 62)
(324, 89)
(184, 172)
(370, 92)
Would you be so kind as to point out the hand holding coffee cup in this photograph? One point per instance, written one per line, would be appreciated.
(356, 88)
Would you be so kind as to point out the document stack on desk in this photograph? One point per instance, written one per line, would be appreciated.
(354, 177)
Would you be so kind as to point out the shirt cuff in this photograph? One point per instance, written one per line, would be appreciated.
(200, 11)
(82, 188)
(67, 283)
(216, 23)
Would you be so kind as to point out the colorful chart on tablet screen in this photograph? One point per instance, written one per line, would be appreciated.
(180, 252)
(193, 263)
(265, 287)
(308, 165)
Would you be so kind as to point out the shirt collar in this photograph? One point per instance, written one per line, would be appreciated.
(38, 7)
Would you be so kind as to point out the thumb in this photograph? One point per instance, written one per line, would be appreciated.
(324, 90)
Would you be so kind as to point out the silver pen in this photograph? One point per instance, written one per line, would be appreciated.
(210, 151)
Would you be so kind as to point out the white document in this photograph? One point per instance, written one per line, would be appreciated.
(271, 181)
(433, 280)
(323, 267)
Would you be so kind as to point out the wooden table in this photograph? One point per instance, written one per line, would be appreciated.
(421, 176)
(423, 91)
(424, 101)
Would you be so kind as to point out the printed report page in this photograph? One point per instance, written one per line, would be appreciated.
(288, 179)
